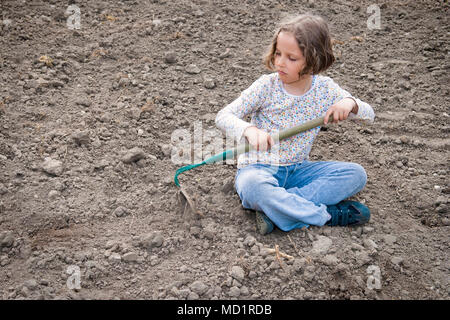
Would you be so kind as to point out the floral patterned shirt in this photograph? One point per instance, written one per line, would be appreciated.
(273, 109)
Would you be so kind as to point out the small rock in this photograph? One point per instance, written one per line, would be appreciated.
(198, 287)
(442, 208)
(209, 83)
(120, 211)
(397, 260)
(370, 244)
(81, 137)
(193, 69)
(192, 296)
(330, 260)
(367, 229)
(6, 239)
(133, 155)
(53, 194)
(209, 232)
(237, 273)
(6, 24)
(166, 149)
(321, 245)
(83, 102)
(3, 189)
(115, 257)
(299, 264)
(440, 200)
(52, 167)
(234, 292)
(389, 239)
(244, 291)
(151, 240)
(31, 284)
(225, 54)
(170, 58)
(184, 293)
(249, 241)
(356, 246)
(130, 257)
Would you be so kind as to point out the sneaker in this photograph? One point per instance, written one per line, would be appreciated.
(263, 223)
(348, 213)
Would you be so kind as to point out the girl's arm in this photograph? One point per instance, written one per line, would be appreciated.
(229, 119)
(344, 105)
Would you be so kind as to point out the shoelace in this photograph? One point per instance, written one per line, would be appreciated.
(342, 216)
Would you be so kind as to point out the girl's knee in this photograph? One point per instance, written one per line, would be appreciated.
(359, 174)
(249, 182)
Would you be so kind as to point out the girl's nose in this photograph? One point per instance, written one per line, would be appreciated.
(279, 61)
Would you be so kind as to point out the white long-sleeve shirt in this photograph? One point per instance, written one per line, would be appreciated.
(272, 109)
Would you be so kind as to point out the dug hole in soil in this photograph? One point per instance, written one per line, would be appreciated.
(88, 206)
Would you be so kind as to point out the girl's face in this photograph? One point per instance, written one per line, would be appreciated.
(289, 59)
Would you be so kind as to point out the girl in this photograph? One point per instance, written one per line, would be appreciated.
(278, 181)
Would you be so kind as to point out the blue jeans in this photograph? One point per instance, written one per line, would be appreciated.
(297, 195)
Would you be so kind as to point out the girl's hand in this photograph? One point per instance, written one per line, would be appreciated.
(258, 139)
(341, 110)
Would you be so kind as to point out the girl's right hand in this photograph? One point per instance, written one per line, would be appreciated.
(258, 139)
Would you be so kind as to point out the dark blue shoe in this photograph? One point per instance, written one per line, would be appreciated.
(348, 213)
(263, 223)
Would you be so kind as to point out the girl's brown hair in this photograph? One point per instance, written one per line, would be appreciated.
(313, 38)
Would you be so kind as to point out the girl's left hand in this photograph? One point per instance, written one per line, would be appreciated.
(341, 110)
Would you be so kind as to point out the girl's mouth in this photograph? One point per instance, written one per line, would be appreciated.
(281, 73)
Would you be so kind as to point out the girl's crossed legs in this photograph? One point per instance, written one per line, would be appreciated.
(297, 195)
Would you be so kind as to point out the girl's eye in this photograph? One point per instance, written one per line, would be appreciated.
(277, 53)
(292, 59)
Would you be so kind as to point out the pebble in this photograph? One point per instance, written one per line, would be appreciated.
(442, 208)
(193, 69)
(193, 296)
(114, 257)
(321, 245)
(330, 260)
(249, 240)
(198, 287)
(31, 284)
(52, 167)
(370, 244)
(234, 292)
(397, 260)
(83, 102)
(81, 137)
(299, 264)
(133, 155)
(3, 189)
(53, 194)
(170, 57)
(153, 239)
(440, 200)
(130, 257)
(209, 83)
(389, 239)
(120, 211)
(237, 273)
(6, 239)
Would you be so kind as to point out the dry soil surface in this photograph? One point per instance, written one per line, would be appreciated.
(88, 207)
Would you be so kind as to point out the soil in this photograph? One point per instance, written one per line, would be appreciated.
(88, 206)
